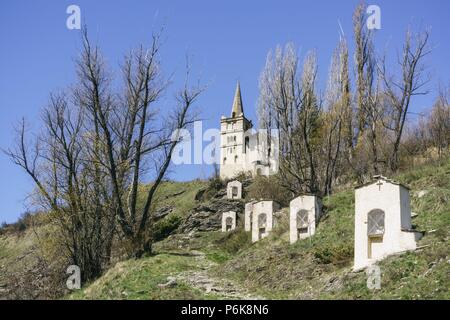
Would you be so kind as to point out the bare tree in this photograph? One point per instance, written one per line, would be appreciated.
(133, 132)
(364, 60)
(308, 119)
(410, 83)
(288, 102)
(336, 118)
(278, 99)
(98, 147)
(439, 124)
(345, 96)
(78, 206)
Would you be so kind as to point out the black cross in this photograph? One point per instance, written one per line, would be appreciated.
(379, 184)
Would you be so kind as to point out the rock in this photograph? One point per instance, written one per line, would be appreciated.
(176, 194)
(334, 284)
(171, 282)
(162, 212)
(208, 217)
(421, 193)
(221, 194)
(199, 194)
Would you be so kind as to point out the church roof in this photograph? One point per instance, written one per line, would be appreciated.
(237, 109)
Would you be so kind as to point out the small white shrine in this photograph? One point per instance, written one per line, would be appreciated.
(263, 218)
(234, 190)
(304, 212)
(228, 221)
(382, 221)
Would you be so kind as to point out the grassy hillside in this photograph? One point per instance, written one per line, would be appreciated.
(312, 268)
(140, 279)
(19, 264)
(27, 270)
(320, 267)
(208, 265)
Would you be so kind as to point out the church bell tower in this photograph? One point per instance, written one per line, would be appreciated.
(233, 143)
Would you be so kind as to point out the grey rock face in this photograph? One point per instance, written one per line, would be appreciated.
(208, 217)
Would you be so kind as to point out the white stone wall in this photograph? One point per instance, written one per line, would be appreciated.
(394, 200)
(225, 215)
(309, 203)
(230, 186)
(267, 207)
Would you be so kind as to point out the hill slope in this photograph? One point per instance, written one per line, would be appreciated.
(315, 268)
(192, 264)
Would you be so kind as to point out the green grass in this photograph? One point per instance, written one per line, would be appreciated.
(3, 249)
(16, 255)
(315, 268)
(139, 279)
(179, 195)
(320, 267)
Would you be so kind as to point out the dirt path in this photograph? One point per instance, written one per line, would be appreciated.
(202, 280)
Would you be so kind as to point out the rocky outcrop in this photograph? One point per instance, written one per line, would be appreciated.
(162, 212)
(208, 216)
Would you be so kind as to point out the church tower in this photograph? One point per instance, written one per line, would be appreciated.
(233, 143)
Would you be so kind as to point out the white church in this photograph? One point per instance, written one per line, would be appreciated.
(243, 149)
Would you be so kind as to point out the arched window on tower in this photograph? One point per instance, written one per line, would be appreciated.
(246, 144)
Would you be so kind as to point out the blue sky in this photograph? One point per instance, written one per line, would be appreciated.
(228, 41)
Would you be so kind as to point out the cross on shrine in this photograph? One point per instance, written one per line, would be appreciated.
(379, 184)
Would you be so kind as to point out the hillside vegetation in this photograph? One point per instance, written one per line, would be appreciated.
(211, 265)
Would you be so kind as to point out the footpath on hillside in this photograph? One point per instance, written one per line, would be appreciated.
(203, 281)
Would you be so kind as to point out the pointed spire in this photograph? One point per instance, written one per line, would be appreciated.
(237, 109)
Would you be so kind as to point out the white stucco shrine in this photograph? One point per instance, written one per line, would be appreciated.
(234, 190)
(304, 212)
(382, 221)
(263, 218)
(228, 221)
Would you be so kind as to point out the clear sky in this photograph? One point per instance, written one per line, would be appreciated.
(228, 40)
